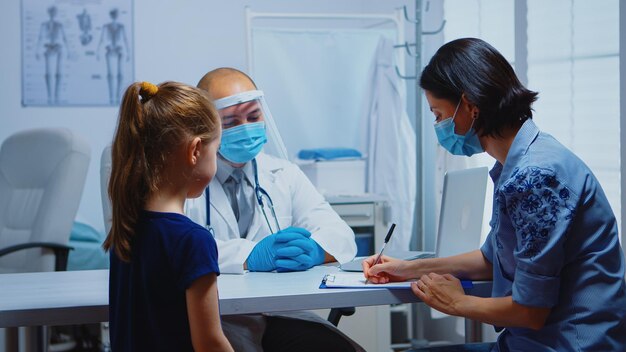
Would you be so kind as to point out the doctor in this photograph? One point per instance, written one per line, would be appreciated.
(266, 215)
(290, 204)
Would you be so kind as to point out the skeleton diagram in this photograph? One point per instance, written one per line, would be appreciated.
(52, 36)
(113, 37)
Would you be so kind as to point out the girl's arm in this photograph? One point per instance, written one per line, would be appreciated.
(204, 317)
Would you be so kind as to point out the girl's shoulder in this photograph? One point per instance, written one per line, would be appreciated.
(174, 226)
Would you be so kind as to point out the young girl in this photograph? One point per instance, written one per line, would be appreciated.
(163, 278)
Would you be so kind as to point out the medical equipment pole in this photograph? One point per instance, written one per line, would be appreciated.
(418, 309)
(419, 216)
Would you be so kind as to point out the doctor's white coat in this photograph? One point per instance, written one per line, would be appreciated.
(296, 202)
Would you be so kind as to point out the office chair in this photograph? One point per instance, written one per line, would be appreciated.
(42, 176)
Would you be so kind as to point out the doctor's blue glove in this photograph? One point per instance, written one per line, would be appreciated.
(299, 255)
(294, 230)
(263, 256)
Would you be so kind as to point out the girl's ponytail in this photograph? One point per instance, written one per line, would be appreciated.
(128, 187)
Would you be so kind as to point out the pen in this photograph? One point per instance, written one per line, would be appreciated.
(389, 233)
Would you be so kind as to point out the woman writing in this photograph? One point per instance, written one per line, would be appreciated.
(553, 251)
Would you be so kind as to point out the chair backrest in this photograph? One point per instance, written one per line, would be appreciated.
(105, 175)
(42, 176)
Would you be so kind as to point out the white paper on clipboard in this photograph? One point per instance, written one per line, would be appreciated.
(356, 280)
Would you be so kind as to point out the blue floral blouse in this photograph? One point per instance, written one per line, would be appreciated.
(554, 243)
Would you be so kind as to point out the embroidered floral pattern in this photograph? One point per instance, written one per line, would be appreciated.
(535, 202)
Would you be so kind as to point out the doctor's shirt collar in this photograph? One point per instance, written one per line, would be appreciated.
(224, 170)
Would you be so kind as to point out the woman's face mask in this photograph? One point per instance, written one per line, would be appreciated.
(243, 143)
(467, 145)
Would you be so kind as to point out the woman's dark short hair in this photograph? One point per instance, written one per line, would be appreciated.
(472, 67)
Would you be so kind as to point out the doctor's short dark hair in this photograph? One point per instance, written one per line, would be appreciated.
(474, 68)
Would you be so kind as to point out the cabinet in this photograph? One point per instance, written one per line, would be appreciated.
(367, 216)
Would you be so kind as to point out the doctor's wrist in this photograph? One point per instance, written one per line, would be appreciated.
(329, 258)
(318, 254)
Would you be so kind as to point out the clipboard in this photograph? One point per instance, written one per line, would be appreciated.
(356, 280)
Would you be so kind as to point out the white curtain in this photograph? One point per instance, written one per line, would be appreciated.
(338, 88)
(390, 142)
(315, 82)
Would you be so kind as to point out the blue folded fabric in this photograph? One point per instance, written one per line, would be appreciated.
(329, 154)
(85, 233)
(87, 256)
(88, 253)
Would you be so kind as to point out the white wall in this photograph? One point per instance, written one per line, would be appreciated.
(174, 40)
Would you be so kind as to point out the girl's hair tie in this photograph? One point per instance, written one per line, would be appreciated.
(147, 90)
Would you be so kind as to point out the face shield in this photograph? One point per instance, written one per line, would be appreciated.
(250, 107)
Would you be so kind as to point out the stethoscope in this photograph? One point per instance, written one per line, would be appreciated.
(260, 195)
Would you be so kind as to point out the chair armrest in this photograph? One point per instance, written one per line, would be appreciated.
(61, 252)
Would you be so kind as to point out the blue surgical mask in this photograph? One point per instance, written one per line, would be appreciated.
(243, 143)
(467, 145)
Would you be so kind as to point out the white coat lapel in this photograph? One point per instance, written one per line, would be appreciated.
(221, 205)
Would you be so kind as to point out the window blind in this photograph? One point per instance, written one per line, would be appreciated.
(573, 62)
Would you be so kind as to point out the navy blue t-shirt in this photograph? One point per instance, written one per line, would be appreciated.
(147, 305)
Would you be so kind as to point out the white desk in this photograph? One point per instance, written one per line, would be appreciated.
(75, 297)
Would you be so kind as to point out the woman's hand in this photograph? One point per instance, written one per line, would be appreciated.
(442, 292)
(388, 269)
